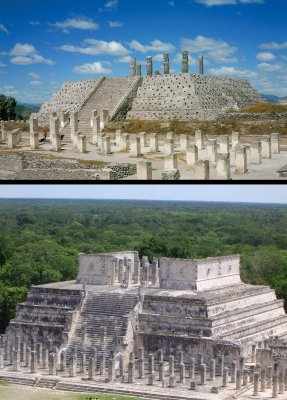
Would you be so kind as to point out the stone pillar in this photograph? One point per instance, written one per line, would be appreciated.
(274, 385)
(191, 368)
(281, 382)
(111, 370)
(263, 380)
(233, 371)
(269, 376)
(136, 146)
(105, 117)
(143, 138)
(212, 370)
(83, 363)
(199, 361)
(139, 70)
(144, 170)
(251, 373)
(155, 272)
(33, 362)
(91, 368)
(182, 372)
(245, 377)
(256, 153)
(45, 355)
(82, 144)
(133, 66)
(33, 125)
(23, 348)
(131, 372)
(212, 150)
(34, 140)
(220, 365)
(12, 139)
(240, 160)
(171, 162)
(102, 364)
(235, 139)
(224, 144)
(54, 126)
(199, 139)
(125, 142)
(96, 129)
(72, 366)
(153, 143)
(149, 68)
(256, 384)
(223, 167)
(191, 156)
(171, 365)
(74, 124)
(52, 364)
(241, 364)
(56, 142)
(201, 170)
(171, 381)
(168, 146)
(275, 144)
(101, 136)
(16, 360)
(266, 147)
(253, 352)
(166, 68)
(185, 64)
(118, 137)
(121, 365)
(39, 348)
(106, 145)
(1, 359)
(160, 370)
(151, 364)
(184, 143)
(201, 65)
(63, 360)
(203, 374)
(238, 379)
(225, 377)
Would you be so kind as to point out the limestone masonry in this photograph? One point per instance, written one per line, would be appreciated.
(122, 310)
(169, 96)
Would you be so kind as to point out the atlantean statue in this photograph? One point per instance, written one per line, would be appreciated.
(149, 69)
(185, 64)
(201, 65)
(166, 68)
(133, 65)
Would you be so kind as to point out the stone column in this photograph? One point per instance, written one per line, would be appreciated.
(203, 374)
(155, 272)
(102, 364)
(111, 370)
(256, 384)
(39, 349)
(91, 368)
(275, 145)
(28, 357)
(201, 65)
(281, 382)
(105, 117)
(151, 364)
(16, 360)
(263, 380)
(131, 372)
(83, 363)
(253, 352)
(56, 142)
(153, 143)
(160, 370)
(199, 361)
(201, 170)
(184, 143)
(224, 144)
(235, 139)
(136, 146)
(34, 140)
(54, 126)
(171, 381)
(171, 162)
(171, 365)
(12, 139)
(106, 145)
(52, 364)
(199, 139)
(274, 385)
(45, 355)
(118, 137)
(238, 379)
(74, 124)
(144, 170)
(266, 147)
(245, 377)
(133, 66)
(212, 150)
(233, 371)
(251, 373)
(185, 64)
(223, 167)
(125, 142)
(225, 377)
(82, 144)
(149, 68)
(139, 70)
(96, 129)
(33, 362)
(168, 146)
(33, 125)
(220, 365)
(1, 359)
(256, 153)
(212, 370)
(23, 348)
(166, 68)
(63, 360)
(240, 160)
(191, 156)
(182, 372)
(143, 138)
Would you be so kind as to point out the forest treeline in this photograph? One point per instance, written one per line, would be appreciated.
(40, 239)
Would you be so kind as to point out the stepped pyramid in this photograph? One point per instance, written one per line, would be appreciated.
(120, 302)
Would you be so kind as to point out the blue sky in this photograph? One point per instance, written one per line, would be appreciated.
(44, 43)
(230, 193)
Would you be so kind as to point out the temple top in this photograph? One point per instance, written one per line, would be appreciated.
(167, 273)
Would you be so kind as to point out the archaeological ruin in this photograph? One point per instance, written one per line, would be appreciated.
(128, 325)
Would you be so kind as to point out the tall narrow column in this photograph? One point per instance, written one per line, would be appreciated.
(149, 69)
(133, 67)
(201, 65)
(166, 68)
(185, 65)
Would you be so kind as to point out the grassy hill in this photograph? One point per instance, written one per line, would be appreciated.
(25, 110)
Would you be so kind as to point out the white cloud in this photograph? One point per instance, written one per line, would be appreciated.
(36, 83)
(155, 46)
(217, 50)
(25, 54)
(171, 3)
(112, 4)
(2, 64)
(34, 75)
(178, 60)
(265, 56)
(233, 71)
(124, 60)
(273, 46)
(82, 23)
(97, 47)
(91, 69)
(4, 29)
(210, 3)
(115, 24)
(266, 67)
(9, 90)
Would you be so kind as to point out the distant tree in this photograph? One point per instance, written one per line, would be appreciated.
(7, 107)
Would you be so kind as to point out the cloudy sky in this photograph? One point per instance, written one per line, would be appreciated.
(44, 43)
